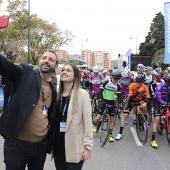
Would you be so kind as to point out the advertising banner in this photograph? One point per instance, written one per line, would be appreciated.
(167, 32)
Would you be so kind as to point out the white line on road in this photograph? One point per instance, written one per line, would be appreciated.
(133, 130)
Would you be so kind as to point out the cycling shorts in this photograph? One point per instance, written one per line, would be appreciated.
(102, 106)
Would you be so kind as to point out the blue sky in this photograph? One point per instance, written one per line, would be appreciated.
(107, 24)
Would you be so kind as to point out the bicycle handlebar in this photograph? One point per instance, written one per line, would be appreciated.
(137, 103)
(165, 106)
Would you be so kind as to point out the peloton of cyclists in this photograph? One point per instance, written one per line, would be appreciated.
(109, 90)
(136, 91)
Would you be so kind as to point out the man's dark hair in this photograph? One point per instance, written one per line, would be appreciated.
(52, 51)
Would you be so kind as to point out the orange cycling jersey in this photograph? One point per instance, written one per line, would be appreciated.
(142, 89)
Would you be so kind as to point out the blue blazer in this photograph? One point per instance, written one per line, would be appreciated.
(24, 96)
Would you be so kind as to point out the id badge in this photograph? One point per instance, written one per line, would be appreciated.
(62, 126)
(44, 109)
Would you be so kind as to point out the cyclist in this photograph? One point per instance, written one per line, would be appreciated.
(105, 77)
(136, 91)
(150, 83)
(110, 87)
(124, 83)
(95, 81)
(154, 74)
(85, 79)
(160, 97)
(139, 70)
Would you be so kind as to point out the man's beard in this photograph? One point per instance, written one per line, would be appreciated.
(51, 70)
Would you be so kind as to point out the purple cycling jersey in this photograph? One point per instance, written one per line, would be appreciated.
(95, 80)
(161, 92)
(124, 83)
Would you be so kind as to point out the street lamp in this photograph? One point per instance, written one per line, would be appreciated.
(136, 43)
(28, 31)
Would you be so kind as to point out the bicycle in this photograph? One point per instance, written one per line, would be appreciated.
(118, 108)
(141, 124)
(117, 114)
(104, 123)
(95, 105)
(164, 122)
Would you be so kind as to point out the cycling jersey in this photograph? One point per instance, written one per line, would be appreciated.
(135, 95)
(109, 90)
(150, 83)
(108, 96)
(95, 81)
(161, 93)
(106, 78)
(124, 83)
(85, 80)
(85, 77)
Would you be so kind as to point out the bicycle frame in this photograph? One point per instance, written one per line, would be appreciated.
(141, 124)
(165, 120)
(104, 119)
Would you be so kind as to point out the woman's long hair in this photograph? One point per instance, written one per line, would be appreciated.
(75, 88)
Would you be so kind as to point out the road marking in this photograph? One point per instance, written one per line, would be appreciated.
(133, 130)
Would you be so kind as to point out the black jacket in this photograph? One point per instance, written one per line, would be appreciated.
(25, 94)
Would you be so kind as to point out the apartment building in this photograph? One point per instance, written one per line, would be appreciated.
(102, 59)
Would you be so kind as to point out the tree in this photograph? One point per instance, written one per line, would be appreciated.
(155, 39)
(13, 40)
(158, 59)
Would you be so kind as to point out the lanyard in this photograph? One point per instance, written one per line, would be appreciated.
(43, 94)
(65, 106)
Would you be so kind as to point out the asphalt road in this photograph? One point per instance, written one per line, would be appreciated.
(125, 154)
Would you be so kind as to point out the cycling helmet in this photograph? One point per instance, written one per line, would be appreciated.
(167, 69)
(95, 71)
(126, 73)
(148, 68)
(100, 70)
(155, 73)
(104, 72)
(116, 74)
(140, 78)
(140, 67)
(167, 77)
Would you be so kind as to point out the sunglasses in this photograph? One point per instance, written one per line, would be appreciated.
(138, 82)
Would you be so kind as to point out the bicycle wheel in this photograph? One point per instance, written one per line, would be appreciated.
(168, 130)
(115, 117)
(104, 132)
(94, 110)
(159, 128)
(150, 118)
(141, 128)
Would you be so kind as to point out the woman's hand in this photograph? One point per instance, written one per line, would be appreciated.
(86, 155)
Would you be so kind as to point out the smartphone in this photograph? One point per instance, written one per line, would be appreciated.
(4, 21)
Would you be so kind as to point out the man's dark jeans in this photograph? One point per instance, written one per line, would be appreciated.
(19, 154)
